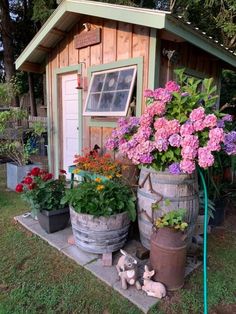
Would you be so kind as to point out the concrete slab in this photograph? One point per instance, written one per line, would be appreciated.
(107, 274)
(93, 262)
(138, 297)
(26, 221)
(79, 256)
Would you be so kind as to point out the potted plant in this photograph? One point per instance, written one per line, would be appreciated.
(180, 131)
(100, 214)
(91, 165)
(168, 249)
(15, 143)
(44, 195)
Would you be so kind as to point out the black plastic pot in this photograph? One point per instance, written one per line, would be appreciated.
(219, 213)
(54, 220)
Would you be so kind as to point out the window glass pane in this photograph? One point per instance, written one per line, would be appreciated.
(120, 101)
(125, 79)
(111, 81)
(93, 101)
(110, 92)
(106, 101)
(97, 82)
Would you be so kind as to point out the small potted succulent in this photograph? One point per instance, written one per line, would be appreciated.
(168, 249)
(100, 213)
(44, 195)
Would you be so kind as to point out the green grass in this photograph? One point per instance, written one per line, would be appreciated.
(36, 278)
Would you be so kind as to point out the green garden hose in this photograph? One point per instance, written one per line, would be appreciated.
(205, 289)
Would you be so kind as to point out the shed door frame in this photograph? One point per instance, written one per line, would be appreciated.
(58, 72)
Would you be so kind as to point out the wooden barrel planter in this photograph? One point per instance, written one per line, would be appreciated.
(166, 192)
(99, 234)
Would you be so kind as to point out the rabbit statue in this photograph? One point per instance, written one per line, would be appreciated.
(152, 288)
(127, 270)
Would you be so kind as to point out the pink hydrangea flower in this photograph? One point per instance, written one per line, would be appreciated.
(210, 121)
(160, 123)
(199, 125)
(162, 94)
(187, 166)
(187, 129)
(213, 146)
(148, 93)
(173, 126)
(205, 157)
(197, 114)
(146, 119)
(174, 140)
(217, 135)
(157, 108)
(188, 152)
(172, 86)
(191, 141)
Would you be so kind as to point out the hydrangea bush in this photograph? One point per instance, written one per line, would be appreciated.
(179, 129)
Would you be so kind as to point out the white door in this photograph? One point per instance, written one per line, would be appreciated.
(70, 110)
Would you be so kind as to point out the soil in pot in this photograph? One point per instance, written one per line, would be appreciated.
(54, 220)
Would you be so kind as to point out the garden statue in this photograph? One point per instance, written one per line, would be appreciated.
(152, 288)
(127, 270)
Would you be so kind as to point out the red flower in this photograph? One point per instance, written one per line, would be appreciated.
(48, 176)
(32, 186)
(35, 172)
(62, 171)
(27, 180)
(19, 188)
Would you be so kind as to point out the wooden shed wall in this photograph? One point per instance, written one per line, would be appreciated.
(189, 57)
(119, 41)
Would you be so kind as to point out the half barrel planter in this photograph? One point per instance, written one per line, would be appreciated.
(170, 192)
(99, 234)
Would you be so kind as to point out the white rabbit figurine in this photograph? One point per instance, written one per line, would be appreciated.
(152, 288)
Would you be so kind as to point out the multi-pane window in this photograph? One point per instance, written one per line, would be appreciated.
(110, 92)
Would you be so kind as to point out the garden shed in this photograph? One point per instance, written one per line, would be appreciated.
(98, 59)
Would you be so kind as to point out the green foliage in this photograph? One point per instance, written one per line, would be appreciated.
(12, 142)
(7, 92)
(42, 9)
(102, 198)
(173, 219)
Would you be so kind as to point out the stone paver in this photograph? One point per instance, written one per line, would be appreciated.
(79, 256)
(93, 262)
(138, 297)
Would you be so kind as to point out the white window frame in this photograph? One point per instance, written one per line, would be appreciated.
(122, 113)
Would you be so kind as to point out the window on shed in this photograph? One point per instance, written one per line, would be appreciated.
(110, 92)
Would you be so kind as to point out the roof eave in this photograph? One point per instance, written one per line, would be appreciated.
(197, 39)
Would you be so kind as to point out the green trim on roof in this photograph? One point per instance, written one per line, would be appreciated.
(121, 13)
(146, 17)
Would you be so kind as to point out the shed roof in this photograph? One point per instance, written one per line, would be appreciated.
(66, 15)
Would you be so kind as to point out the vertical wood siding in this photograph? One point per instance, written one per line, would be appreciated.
(119, 41)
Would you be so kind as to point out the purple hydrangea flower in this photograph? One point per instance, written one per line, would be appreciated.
(175, 168)
(230, 143)
(227, 118)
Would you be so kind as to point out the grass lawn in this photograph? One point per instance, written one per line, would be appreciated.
(36, 278)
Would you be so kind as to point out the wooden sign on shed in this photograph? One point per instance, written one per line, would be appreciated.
(88, 38)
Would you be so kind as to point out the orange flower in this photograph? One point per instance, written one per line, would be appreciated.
(100, 187)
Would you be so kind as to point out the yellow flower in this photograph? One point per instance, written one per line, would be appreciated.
(100, 187)
(109, 177)
(118, 175)
(76, 171)
(98, 180)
